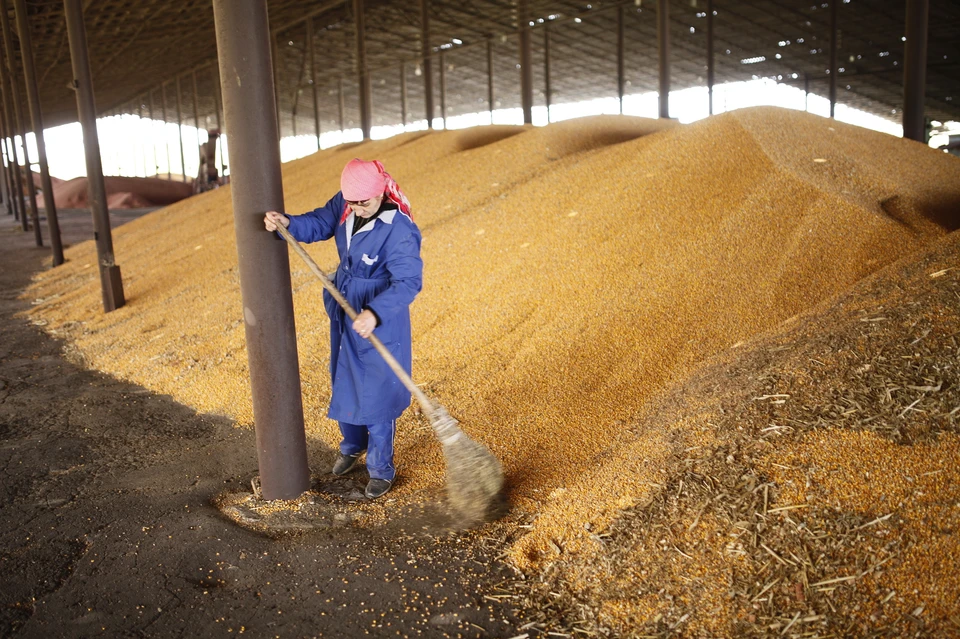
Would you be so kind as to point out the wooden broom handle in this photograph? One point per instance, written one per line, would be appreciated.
(388, 357)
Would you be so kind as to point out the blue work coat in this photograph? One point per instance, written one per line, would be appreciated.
(381, 270)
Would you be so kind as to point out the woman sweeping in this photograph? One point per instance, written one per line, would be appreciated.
(381, 273)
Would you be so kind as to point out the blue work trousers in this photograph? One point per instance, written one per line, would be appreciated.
(377, 440)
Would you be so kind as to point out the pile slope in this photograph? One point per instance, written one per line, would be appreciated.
(811, 489)
(573, 272)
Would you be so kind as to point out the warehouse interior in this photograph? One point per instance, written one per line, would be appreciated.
(716, 361)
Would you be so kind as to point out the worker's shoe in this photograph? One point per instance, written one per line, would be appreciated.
(345, 463)
(377, 488)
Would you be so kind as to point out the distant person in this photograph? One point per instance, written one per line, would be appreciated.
(380, 273)
(207, 176)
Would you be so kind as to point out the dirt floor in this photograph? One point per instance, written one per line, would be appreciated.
(107, 522)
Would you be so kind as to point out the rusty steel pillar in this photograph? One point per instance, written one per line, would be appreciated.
(526, 64)
(20, 129)
(710, 68)
(443, 92)
(111, 283)
(146, 158)
(363, 74)
(196, 107)
(28, 170)
(663, 42)
(163, 116)
(547, 91)
(33, 99)
(834, 35)
(403, 94)
(5, 185)
(490, 102)
(16, 177)
(183, 164)
(16, 197)
(7, 165)
(341, 104)
(243, 44)
(216, 105)
(915, 70)
(275, 62)
(620, 65)
(313, 81)
(153, 136)
(425, 52)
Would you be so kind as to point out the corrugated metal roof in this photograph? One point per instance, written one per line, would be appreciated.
(139, 46)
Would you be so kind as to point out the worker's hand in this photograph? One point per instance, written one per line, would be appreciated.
(272, 219)
(365, 323)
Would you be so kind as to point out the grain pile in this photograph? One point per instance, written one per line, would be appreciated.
(812, 487)
(122, 192)
(573, 273)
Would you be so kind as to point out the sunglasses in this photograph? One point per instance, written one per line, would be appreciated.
(361, 203)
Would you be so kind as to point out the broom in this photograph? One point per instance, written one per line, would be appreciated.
(474, 477)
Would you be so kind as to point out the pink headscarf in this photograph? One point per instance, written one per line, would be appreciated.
(364, 180)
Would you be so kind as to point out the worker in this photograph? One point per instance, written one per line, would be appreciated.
(380, 273)
(207, 175)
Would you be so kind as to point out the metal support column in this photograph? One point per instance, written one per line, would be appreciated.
(183, 165)
(153, 137)
(196, 108)
(363, 75)
(294, 112)
(163, 116)
(620, 74)
(243, 44)
(15, 198)
(915, 70)
(215, 76)
(111, 284)
(490, 96)
(547, 90)
(33, 99)
(663, 41)
(443, 92)
(146, 158)
(834, 46)
(710, 67)
(5, 166)
(16, 179)
(341, 104)
(526, 65)
(403, 93)
(313, 81)
(118, 151)
(425, 51)
(4, 186)
(275, 62)
(21, 129)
